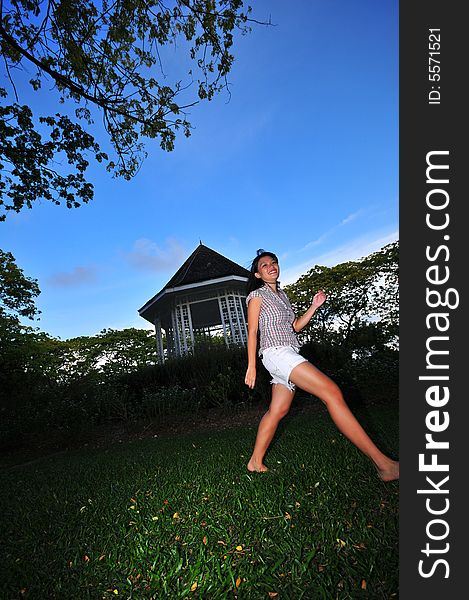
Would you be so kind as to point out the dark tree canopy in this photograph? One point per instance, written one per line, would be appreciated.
(363, 300)
(17, 292)
(17, 299)
(102, 58)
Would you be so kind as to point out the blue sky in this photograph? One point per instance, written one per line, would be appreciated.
(302, 159)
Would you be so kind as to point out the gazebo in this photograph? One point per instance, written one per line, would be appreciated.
(203, 299)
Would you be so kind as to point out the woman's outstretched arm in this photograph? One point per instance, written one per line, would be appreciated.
(302, 321)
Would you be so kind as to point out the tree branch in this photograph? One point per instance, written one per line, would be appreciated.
(66, 81)
(10, 78)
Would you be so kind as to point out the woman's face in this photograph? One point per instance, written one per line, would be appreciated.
(268, 269)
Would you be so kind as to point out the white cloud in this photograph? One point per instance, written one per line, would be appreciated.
(148, 256)
(325, 235)
(353, 250)
(351, 217)
(77, 277)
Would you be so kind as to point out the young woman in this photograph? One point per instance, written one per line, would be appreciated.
(270, 314)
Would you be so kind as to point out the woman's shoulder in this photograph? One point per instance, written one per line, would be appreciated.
(258, 293)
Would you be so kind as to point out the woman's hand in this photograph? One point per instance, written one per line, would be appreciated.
(250, 379)
(319, 299)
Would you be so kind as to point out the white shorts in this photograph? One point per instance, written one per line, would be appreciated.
(280, 362)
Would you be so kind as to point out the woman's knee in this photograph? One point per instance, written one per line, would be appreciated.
(278, 412)
(332, 395)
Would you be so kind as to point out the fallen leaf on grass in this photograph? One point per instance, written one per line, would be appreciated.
(239, 548)
(363, 584)
(360, 546)
(238, 582)
(341, 542)
(176, 515)
(194, 586)
(205, 540)
(287, 516)
(86, 558)
(273, 594)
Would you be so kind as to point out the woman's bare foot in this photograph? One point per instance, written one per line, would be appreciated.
(255, 467)
(389, 472)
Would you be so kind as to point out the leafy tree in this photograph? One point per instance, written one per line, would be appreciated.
(103, 58)
(384, 293)
(361, 311)
(17, 299)
(17, 292)
(27, 354)
(112, 352)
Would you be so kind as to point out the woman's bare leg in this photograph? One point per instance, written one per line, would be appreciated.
(282, 398)
(313, 381)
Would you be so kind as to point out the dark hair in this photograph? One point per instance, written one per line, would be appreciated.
(254, 283)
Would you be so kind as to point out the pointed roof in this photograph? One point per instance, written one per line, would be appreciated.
(202, 265)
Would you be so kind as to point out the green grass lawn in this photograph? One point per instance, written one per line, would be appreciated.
(181, 518)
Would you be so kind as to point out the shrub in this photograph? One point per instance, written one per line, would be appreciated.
(372, 377)
(205, 380)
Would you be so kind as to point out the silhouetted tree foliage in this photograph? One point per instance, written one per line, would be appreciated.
(362, 307)
(104, 58)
